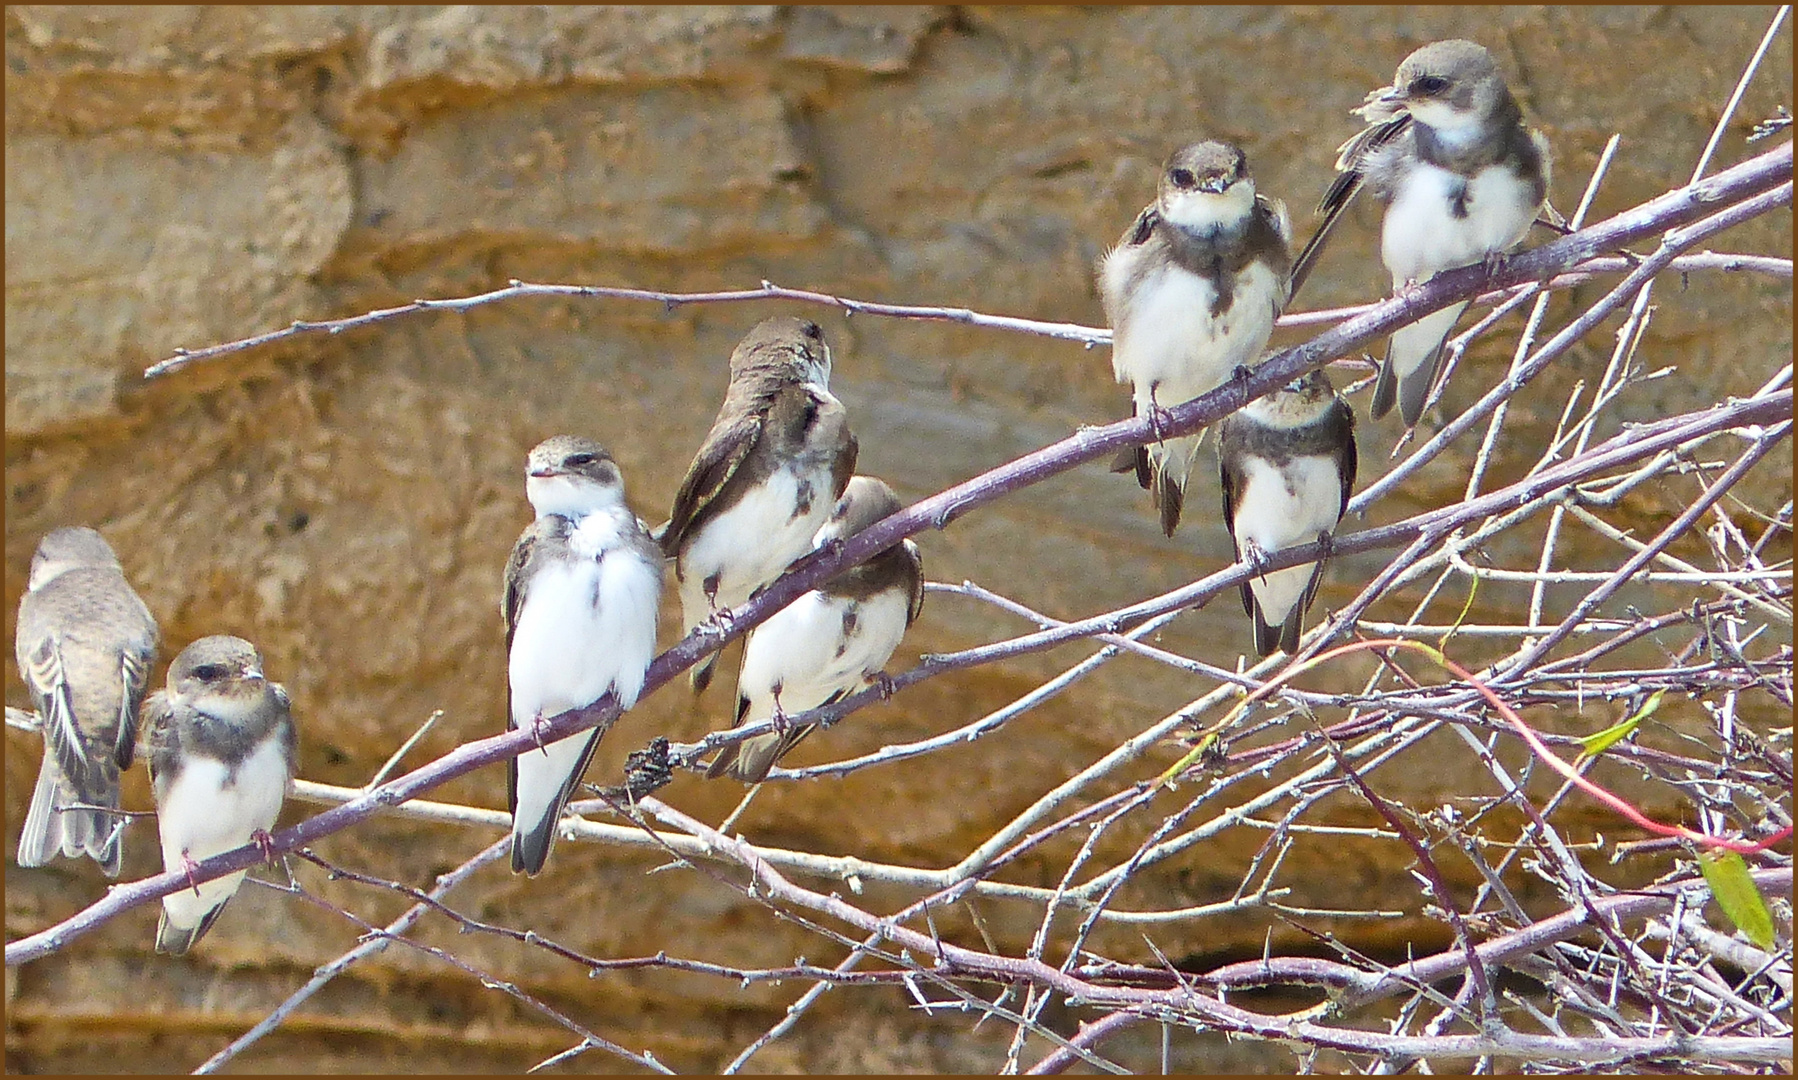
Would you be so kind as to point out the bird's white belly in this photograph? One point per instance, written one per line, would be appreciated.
(1281, 507)
(1169, 340)
(749, 544)
(200, 816)
(797, 650)
(1422, 236)
(584, 627)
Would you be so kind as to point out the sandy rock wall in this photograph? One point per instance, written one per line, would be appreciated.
(181, 176)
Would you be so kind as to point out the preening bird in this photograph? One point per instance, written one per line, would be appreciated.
(776, 461)
(1447, 153)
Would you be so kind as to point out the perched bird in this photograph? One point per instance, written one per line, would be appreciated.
(1191, 292)
(85, 646)
(581, 591)
(1447, 153)
(221, 745)
(1288, 465)
(774, 464)
(829, 642)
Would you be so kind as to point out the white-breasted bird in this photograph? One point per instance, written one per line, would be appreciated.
(774, 464)
(830, 641)
(581, 590)
(221, 744)
(1288, 466)
(1191, 291)
(1462, 177)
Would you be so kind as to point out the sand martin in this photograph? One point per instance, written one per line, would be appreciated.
(1191, 292)
(1447, 153)
(774, 464)
(1288, 465)
(581, 591)
(221, 744)
(829, 642)
(85, 646)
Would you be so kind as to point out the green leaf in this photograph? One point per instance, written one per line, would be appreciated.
(1735, 892)
(1596, 744)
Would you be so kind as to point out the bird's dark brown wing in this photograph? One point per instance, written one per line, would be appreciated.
(1350, 165)
(1141, 228)
(290, 733)
(717, 461)
(1343, 438)
(162, 740)
(1227, 480)
(848, 448)
(915, 571)
(512, 597)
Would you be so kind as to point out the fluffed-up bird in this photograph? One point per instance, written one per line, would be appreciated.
(829, 642)
(1191, 292)
(221, 743)
(85, 645)
(581, 590)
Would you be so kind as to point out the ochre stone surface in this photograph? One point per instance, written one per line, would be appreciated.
(177, 177)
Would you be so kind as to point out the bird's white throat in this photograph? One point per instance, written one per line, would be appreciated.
(1201, 211)
(572, 497)
(1455, 127)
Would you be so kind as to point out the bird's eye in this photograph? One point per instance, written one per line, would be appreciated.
(812, 330)
(578, 460)
(1182, 178)
(1428, 85)
(210, 672)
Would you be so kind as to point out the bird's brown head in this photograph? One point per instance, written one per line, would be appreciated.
(785, 345)
(1448, 85)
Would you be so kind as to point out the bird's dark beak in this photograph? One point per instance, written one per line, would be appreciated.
(1215, 185)
(542, 474)
(1392, 95)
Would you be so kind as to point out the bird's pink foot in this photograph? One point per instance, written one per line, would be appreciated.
(1159, 417)
(781, 724)
(1254, 558)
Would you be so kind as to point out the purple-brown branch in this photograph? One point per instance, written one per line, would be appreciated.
(1622, 449)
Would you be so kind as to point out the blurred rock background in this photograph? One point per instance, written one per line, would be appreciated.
(181, 176)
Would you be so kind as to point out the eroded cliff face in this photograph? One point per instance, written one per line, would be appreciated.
(181, 176)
